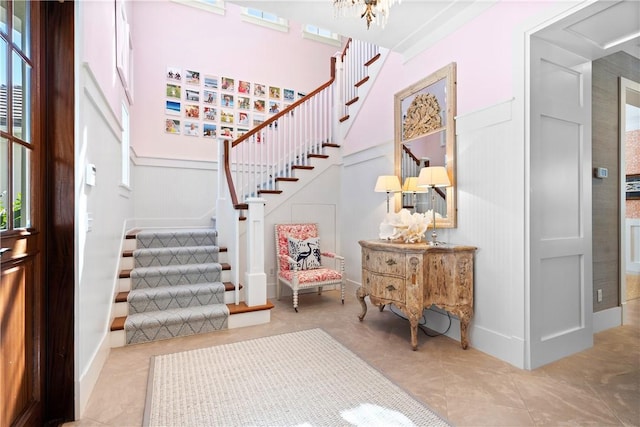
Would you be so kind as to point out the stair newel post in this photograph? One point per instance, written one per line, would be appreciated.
(338, 109)
(255, 277)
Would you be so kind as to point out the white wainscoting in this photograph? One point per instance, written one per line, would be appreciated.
(490, 202)
(104, 206)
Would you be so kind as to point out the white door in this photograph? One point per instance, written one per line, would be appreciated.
(560, 317)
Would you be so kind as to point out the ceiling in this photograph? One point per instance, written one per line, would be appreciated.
(603, 27)
(412, 25)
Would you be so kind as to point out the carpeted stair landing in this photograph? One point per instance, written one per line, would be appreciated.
(176, 286)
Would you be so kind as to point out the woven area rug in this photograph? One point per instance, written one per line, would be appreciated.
(297, 379)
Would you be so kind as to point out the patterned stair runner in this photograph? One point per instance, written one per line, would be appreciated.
(176, 286)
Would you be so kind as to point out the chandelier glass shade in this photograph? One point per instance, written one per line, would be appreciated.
(376, 11)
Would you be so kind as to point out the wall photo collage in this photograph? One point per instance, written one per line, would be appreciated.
(209, 105)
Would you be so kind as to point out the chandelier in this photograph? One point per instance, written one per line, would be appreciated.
(374, 10)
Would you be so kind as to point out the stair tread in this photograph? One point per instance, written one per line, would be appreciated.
(344, 118)
(361, 82)
(126, 273)
(287, 178)
(330, 144)
(173, 314)
(122, 296)
(182, 289)
(318, 156)
(119, 322)
(269, 191)
(352, 101)
(305, 167)
(372, 60)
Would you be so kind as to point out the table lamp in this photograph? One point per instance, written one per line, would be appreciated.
(387, 184)
(432, 177)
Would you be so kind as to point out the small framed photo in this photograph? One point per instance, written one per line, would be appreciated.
(227, 84)
(192, 111)
(227, 100)
(243, 118)
(301, 95)
(210, 97)
(172, 126)
(211, 82)
(241, 131)
(258, 119)
(259, 90)
(174, 74)
(244, 87)
(173, 91)
(289, 95)
(274, 107)
(274, 92)
(192, 95)
(191, 129)
(259, 105)
(226, 131)
(209, 130)
(226, 116)
(244, 103)
(192, 77)
(172, 108)
(210, 113)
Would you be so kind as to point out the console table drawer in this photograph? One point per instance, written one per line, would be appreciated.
(384, 262)
(385, 287)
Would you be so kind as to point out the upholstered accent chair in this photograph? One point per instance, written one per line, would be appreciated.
(300, 261)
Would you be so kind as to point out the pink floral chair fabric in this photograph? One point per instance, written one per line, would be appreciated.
(295, 272)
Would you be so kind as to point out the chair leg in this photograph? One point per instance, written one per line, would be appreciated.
(342, 291)
(319, 290)
(295, 300)
(278, 289)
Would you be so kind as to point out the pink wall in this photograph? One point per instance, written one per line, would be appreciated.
(171, 34)
(483, 50)
(99, 48)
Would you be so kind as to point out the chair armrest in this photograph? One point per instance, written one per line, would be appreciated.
(332, 255)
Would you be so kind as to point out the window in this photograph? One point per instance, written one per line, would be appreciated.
(215, 6)
(321, 34)
(266, 19)
(16, 146)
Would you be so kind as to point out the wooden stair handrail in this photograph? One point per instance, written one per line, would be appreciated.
(269, 122)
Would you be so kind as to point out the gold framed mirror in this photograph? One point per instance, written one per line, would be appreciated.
(424, 118)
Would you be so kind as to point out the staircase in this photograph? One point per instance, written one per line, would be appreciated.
(175, 282)
(175, 287)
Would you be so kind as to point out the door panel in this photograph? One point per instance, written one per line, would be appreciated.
(560, 204)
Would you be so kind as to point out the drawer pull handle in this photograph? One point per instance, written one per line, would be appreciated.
(391, 288)
(391, 261)
(367, 280)
(367, 257)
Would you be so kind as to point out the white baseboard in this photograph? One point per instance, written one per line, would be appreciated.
(88, 379)
(607, 319)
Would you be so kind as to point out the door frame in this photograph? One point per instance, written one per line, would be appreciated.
(624, 85)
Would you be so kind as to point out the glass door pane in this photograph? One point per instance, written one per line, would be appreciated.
(20, 98)
(22, 26)
(4, 78)
(21, 196)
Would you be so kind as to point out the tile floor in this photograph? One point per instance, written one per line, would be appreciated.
(597, 387)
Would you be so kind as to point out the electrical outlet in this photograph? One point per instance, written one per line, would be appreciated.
(599, 295)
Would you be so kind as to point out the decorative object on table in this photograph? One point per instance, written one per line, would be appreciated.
(432, 177)
(376, 11)
(404, 226)
(387, 184)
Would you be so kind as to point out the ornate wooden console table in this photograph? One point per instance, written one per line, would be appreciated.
(415, 276)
